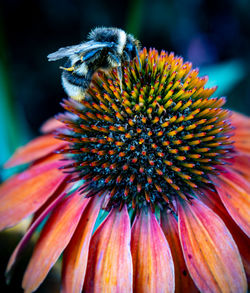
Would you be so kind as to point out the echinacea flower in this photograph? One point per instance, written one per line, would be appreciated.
(168, 164)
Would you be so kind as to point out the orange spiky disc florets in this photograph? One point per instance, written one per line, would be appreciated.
(157, 139)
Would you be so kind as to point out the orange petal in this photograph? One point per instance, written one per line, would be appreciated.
(210, 252)
(23, 194)
(183, 281)
(57, 197)
(239, 120)
(54, 237)
(75, 256)
(153, 267)
(65, 187)
(51, 125)
(234, 192)
(110, 264)
(242, 144)
(212, 200)
(35, 149)
(37, 218)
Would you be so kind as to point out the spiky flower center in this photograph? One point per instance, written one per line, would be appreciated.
(156, 140)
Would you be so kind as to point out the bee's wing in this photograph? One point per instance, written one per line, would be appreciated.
(83, 49)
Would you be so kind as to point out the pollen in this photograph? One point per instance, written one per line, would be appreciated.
(156, 140)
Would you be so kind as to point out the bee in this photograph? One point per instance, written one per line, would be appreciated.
(105, 48)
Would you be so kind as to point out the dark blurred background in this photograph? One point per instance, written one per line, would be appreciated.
(214, 35)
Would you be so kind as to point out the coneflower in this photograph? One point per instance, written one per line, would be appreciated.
(159, 139)
(160, 155)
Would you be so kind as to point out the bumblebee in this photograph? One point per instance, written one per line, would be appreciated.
(105, 48)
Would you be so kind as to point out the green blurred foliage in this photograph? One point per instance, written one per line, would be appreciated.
(8, 128)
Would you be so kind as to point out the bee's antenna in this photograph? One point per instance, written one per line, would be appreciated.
(119, 71)
(138, 57)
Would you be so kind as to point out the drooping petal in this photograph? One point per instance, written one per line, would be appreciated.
(212, 200)
(36, 149)
(32, 229)
(240, 120)
(75, 256)
(210, 252)
(242, 143)
(153, 267)
(109, 266)
(65, 187)
(241, 164)
(242, 132)
(24, 193)
(183, 281)
(50, 159)
(54, 237)
(51, 125)
(234, 192)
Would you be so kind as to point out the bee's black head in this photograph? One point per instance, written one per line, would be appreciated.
(131, 48)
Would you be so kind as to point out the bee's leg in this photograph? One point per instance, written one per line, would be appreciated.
(89, 75)
(119, 71)
(68, 66)
(86, 80)
(126, 56)
(138, 57)
(72, 68)
(116, 62)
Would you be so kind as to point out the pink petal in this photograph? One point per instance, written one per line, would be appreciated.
(234, 192)
(183, 281)
(110, 265)
(65, 187)
(51, 125)
(50, 159)
(75, 256)
(21, 245)
(212, 200)
(54, 237)
(35, 149)
(153, 267)
(239, 119)
(242, 132)
(241, 164)
(23, 194)
(211, 255)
